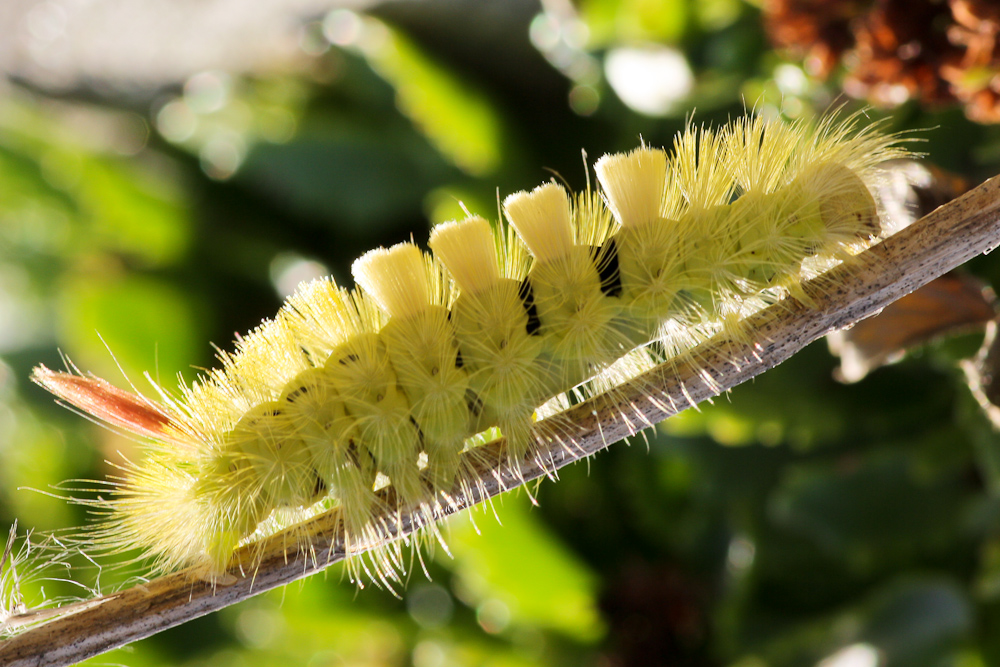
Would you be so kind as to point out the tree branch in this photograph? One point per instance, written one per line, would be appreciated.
(939, 242)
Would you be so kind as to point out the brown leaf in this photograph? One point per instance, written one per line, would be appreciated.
(951, 304)
(109, 404)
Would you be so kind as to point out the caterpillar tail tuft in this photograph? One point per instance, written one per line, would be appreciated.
(393, 384)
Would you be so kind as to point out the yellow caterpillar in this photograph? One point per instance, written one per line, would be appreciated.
(344, 391)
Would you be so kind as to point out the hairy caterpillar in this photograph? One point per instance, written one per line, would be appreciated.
(346, 391)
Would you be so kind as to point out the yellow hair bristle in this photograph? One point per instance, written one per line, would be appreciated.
(633, 184)
(323, 316)
(542, 220)
(699, 173)
(467, 249)
(157, 507)
(757, 153)
(395, 277)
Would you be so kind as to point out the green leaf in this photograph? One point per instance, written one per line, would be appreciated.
(517, 567)
(138, 323)
(454, 115)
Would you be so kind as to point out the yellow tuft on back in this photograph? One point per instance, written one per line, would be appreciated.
(541, 218)
(396, 278)
(633, 184)
(467, 249)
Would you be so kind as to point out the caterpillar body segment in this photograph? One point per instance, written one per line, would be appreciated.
(345, 391)
(497, 329)
(340, 461)
(573, 285)
(423, 351)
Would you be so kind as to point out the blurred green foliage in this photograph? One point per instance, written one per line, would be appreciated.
(795, 520)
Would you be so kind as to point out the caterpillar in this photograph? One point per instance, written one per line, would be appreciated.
(345, 392)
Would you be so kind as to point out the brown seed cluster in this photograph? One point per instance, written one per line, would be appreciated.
(941, 52)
